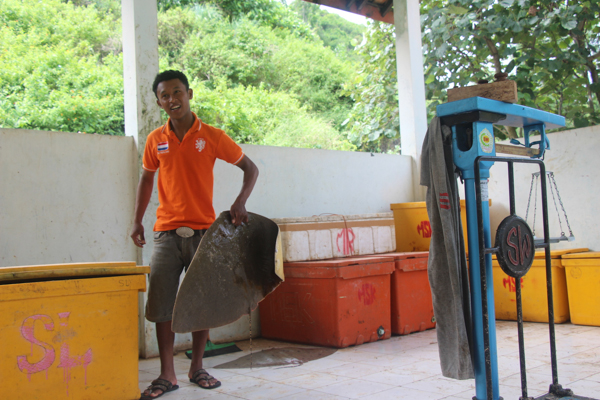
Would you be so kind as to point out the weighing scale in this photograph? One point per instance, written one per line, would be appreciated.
(474, 152)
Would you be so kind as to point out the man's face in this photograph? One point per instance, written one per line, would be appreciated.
(174, 98)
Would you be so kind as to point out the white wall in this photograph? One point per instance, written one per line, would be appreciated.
(68, 197)
(575, 161)
(307, 182)
(65, 197)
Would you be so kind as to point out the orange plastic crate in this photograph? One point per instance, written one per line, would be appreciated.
(336, 303)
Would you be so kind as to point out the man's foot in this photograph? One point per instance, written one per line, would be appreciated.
(204, 380)
(157, 388)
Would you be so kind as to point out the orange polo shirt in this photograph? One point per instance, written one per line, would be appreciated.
(185, 173)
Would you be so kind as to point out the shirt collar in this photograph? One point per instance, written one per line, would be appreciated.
(196, 126)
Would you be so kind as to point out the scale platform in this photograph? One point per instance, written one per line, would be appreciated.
(516, 115)
(554, 397)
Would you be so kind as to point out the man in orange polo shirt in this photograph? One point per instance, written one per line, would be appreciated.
(183, 151)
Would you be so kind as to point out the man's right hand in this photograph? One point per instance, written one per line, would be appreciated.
(137, 234)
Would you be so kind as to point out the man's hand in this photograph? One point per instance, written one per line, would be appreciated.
(239, 215)
(238, 212)
(137, 234)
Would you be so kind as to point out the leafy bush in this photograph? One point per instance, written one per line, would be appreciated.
(255, 115)
(56, 74)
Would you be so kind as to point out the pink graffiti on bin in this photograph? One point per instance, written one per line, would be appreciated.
(27, 331)
(66, 360)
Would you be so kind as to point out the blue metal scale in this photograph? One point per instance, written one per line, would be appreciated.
(472, 121)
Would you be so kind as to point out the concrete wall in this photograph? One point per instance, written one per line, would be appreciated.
(65, 197)
(574, 159)
(68, 197)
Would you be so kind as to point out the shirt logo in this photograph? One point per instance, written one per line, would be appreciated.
(200, 145)
(163, 147)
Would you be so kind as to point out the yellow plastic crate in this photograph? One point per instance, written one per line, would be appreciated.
(533, 290)
(583, 282)
(75, 337)
(413, 231)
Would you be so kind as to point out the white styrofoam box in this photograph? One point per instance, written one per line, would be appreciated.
(332, 236)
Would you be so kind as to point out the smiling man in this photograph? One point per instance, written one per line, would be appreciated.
(183, 151)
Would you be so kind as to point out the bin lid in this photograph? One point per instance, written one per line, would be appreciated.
(398, 256)
(346, 268)
(72, 270)
(559, 253)
(553, 253)
(414, 204)
(588, 254)
(421, 204)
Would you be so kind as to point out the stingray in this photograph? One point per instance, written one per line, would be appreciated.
(291, 356)
(234, 268)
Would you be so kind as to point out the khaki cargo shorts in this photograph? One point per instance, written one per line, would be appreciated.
(172, 255)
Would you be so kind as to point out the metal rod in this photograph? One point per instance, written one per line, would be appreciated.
(484, 299)
(521, 339)
(549, 276)
(511, 187)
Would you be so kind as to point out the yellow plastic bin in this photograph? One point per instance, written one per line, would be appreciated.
(583, 286)
(70, 331)
(533, 290)
(413, 231)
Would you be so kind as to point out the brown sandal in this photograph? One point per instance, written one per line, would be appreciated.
(202, 375)
(159, 384)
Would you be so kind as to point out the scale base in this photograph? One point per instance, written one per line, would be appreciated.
(555, 397)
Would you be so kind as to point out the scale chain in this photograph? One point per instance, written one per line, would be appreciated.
(561, 204)
(552, 189)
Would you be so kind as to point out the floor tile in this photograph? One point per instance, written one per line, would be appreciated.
(443, 386)
(266, 391)
(404, 393)
(402, 367)
(315, 380)
(355, 388)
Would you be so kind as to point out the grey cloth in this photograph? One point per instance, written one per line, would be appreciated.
(447, 266)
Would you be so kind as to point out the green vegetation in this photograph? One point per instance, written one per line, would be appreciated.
(56, 74)
(258, 70)
(551, 49)
(293, 75)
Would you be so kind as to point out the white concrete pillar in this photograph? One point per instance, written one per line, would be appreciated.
(142, 116)
(411, 85)
(140, 66)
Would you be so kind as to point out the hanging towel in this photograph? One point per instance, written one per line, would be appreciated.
(447, 266)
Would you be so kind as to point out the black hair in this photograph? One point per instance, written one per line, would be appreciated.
(167, 76)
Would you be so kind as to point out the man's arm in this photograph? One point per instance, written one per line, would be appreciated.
(144, 191)
(238, 208)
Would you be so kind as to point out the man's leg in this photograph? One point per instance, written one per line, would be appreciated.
(199, 339)
(165, 337)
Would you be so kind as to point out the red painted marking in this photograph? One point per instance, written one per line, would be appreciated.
(367, 294)
(347, 242)
(27, 331)
(444, 201)
(522, 247)
(424, 229)
(511, 283)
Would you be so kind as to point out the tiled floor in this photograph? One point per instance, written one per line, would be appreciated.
(403, 367)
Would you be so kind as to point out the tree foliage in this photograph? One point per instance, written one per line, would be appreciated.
(374, 120)
(56, 74)
(257, 68)
(549, 48)
(335, 32)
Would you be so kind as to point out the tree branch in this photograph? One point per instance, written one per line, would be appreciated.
(495, 55)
